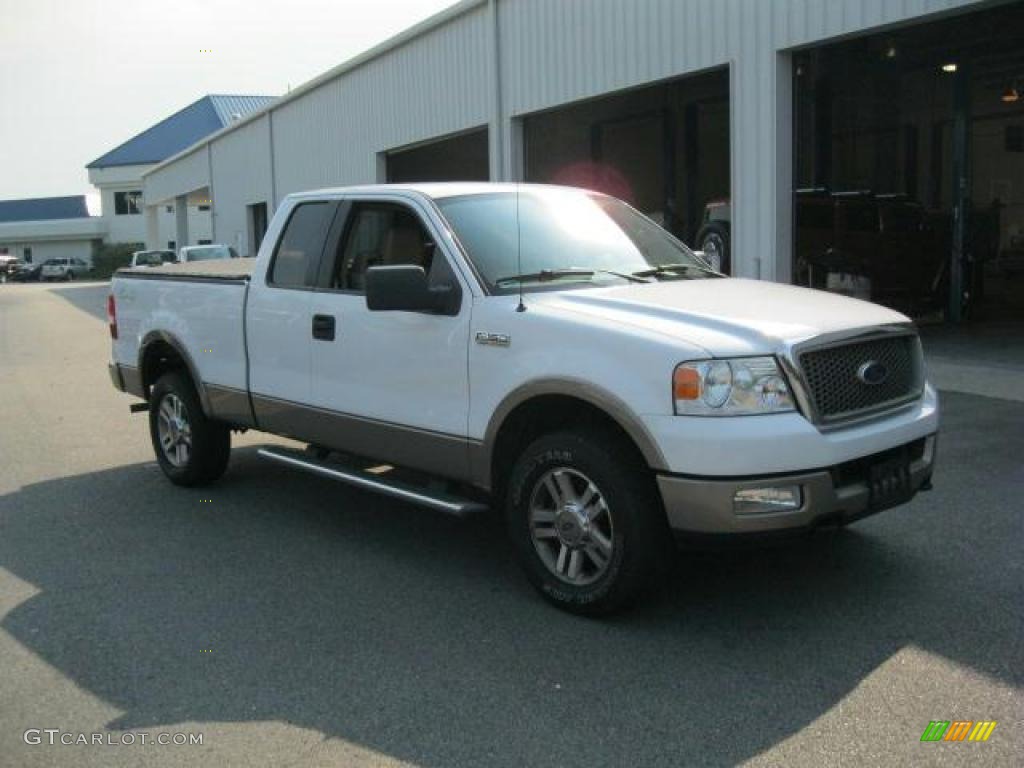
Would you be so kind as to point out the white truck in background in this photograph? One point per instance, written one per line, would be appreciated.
(544, 351)
(206, 252)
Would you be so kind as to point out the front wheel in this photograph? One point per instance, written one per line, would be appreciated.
(585, 522)
(190, 448)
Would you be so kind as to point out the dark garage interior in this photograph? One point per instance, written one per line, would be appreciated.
(909, 159)
(458, 158)
(663, 148)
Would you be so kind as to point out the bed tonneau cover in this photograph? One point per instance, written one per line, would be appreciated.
(216, 269)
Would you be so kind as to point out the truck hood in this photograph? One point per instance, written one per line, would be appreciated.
(728, 316)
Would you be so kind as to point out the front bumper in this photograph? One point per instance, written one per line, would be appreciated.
(831, 495)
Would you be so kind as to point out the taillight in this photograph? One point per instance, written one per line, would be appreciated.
(112, 316)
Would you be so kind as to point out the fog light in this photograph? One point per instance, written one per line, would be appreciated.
(760, 501)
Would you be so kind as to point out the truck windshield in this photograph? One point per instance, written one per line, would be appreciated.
(568, 238)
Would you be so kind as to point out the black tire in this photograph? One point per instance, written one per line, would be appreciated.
(70, 276)
(638, 533)
(210, 441)
(715, 237)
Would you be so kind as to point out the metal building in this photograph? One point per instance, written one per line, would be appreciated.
(867, 146)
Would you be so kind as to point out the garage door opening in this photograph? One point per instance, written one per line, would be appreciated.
(663, 148)
(459, 158)
(909, 167)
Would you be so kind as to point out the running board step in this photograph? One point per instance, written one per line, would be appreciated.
(378, 483)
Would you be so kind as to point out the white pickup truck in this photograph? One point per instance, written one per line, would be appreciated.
(545, 351)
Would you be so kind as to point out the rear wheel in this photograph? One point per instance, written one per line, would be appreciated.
(190, 448)
(584, 521)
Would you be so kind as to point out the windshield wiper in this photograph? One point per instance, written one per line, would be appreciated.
(553, 274)
(545, 275)
(673, 269)
(634, 278)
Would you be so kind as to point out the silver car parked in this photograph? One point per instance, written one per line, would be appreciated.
(64, 269)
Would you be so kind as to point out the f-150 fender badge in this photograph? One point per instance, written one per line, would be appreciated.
(494, 339)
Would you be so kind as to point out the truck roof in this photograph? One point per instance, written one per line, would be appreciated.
(433, 189)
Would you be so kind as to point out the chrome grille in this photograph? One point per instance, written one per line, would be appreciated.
(838, 391)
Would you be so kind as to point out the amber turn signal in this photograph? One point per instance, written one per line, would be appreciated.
(686, 384)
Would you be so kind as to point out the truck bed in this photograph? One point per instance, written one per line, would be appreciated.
(218, 269)
(200, 306)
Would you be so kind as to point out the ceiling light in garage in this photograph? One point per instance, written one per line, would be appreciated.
(949, 67)
(1011, 95)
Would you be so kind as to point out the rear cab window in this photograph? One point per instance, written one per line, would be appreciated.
(297, 255)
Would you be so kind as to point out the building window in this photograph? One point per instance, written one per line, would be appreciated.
(127, 203)
(3, 250)
(204, 207)
(26, 254)
(170, 209)
(171, 245)
(205, 242)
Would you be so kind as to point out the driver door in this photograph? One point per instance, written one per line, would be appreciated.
(395, 382)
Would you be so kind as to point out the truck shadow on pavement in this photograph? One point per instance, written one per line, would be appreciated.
(414, 634)
(90, 298)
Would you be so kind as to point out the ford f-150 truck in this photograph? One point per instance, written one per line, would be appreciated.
(545, 351)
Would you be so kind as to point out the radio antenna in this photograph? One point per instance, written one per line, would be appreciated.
(519, 253)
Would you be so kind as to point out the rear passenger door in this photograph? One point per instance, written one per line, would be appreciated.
(279, 318)
(394, 383)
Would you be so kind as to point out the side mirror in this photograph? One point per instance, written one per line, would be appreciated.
(405, 289)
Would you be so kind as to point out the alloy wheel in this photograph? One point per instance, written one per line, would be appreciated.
(571, 526)
(174, 430)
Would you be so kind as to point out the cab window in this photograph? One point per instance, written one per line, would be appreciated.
(380, 234)
(297, 255)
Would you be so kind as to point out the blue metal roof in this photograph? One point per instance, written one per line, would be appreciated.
(181, 130)
(43, 208)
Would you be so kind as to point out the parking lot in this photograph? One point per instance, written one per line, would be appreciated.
(294, 621)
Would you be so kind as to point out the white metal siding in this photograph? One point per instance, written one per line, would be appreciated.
(190, 172)
(241, 177)
(552, 52)
(433, 85)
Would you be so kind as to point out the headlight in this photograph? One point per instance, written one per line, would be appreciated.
(737, 387)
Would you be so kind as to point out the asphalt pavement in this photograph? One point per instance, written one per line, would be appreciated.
(289, 620)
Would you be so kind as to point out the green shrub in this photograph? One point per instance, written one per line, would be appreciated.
(107, 258)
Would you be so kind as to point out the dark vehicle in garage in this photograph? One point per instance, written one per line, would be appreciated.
(883, 248)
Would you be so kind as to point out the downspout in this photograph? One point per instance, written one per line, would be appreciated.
(209, 186)
(273, 169)
(498, 161)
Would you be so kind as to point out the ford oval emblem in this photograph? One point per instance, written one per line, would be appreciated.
(873, 372)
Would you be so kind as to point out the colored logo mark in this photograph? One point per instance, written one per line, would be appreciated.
(958, 730)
